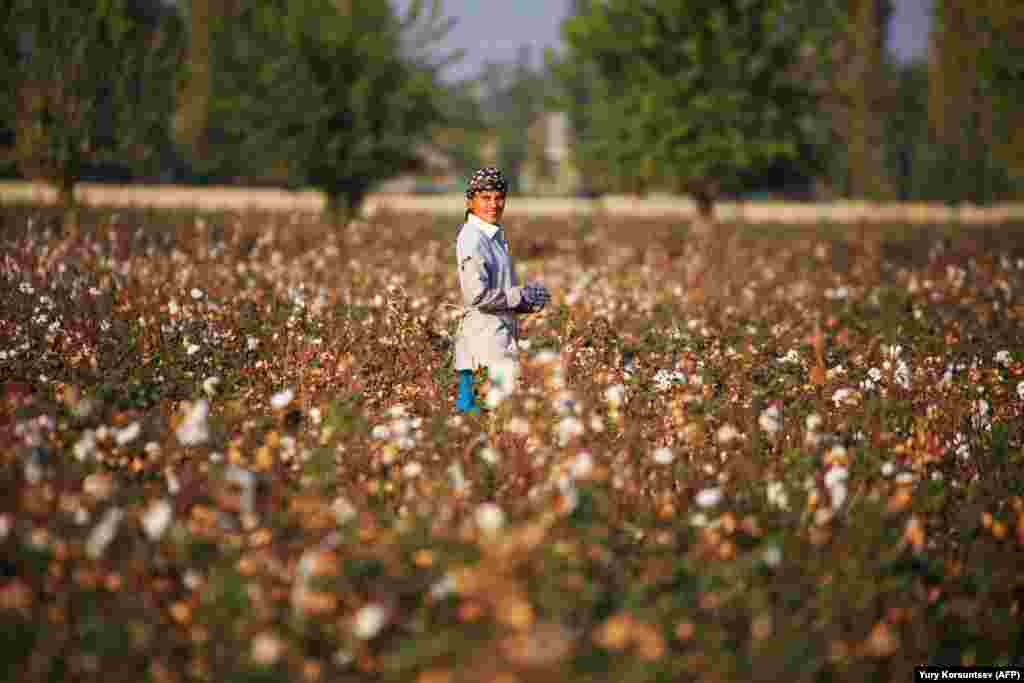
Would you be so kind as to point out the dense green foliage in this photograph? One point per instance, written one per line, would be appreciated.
(976, 101)
(85, 84)
(318, 94)
(695, 96)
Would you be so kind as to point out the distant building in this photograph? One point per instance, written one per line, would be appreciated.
(549, 167)
(436, 172)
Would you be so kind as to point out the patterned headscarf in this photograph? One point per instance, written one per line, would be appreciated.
(487, 179)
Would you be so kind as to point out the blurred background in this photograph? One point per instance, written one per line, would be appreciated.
(889, 100)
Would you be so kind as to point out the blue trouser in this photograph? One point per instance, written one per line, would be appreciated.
(466, 401)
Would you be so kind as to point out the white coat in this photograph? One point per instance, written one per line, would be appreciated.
(491, 296)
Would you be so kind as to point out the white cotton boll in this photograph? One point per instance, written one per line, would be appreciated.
(569, 427)
(192, 349)
(963, 450)
(665, 379)
(813, 422)
(545, 357)
(1020, 390)
(791, 357)
(664, 456)
(103, 533)
(835, 476)
(446, 586)
(126, 435)
(173, 485)
(902, 374)
(490, 455)
(458, 478)
(412, 470)
(843, 396)
(156, 519)
(838, 495)
(281, 399)
(266, 649)
(85, 447)
(709, 497)
(776, 495)
(837, 453)
(518, 426)
(888, 469)
(570, 495)
(193, 429)
(505, 374)
(582, 465)
(344, 511)
(615, 394)
(196, 293)
(727, 434)
(251, 343)
(905, 478)
(770, 420)
(369, 622)
(401, 427)
(246, 481)
(495, 397)
(1003, 358)
(489, 518)
(210, 385)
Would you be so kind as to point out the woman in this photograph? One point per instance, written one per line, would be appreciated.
(488, 333)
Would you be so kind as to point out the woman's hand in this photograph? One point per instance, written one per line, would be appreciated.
(536, 296)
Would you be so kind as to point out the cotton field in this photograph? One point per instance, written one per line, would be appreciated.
(230, 452)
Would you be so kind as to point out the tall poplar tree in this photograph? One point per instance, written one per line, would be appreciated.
(322, 93)
(698, 95)
(976, 99)
(87, 83)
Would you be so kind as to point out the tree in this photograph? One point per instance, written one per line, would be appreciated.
(1001, 70)
(321, 93)
(87, 83)
(976, 99)
(864, 94)
(698, 95)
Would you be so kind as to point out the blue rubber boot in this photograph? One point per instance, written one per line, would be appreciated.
(466, 401)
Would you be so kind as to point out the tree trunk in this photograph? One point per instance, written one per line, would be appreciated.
(703, 223)
(344, 205)
(68, 206)
(66, 192)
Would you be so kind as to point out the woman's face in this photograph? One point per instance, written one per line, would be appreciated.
(488, 205)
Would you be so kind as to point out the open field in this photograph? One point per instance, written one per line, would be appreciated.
(676, 208)
(228, 452)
